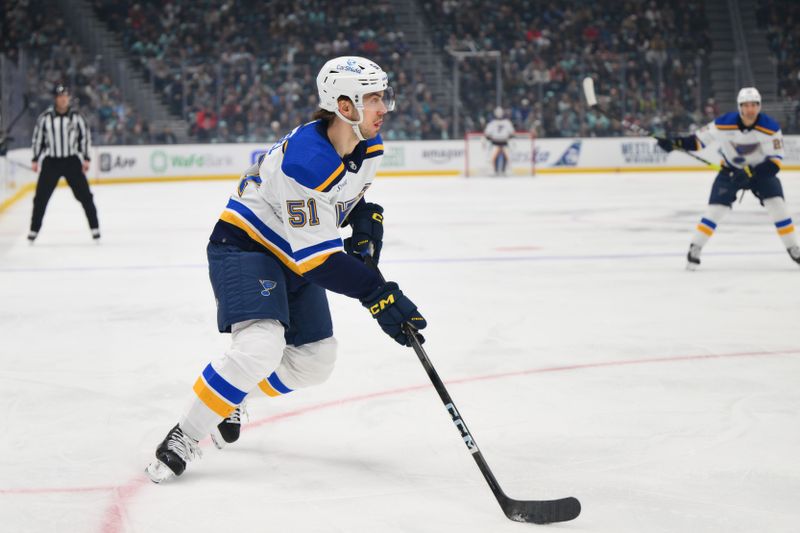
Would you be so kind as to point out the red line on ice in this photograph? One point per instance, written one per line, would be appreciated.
(114, 515)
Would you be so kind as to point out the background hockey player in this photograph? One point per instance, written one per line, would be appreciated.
(498, 132)
(277, 248)
(751, 145)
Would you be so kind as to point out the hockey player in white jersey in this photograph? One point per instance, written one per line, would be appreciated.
(277, 248)
(751, 145)
(498, 132)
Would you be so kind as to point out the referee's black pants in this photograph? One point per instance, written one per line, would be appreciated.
(52, 170)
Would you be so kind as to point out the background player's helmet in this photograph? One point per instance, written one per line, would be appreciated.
(498, 112)
(748, 94)
(353, 77)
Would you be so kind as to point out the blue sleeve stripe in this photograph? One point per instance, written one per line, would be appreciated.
(277, 384)
(709, 223)
(299, 255)
(262, 228)
(783, 223)
(222, 387)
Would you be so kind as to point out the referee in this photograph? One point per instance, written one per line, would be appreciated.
(62, 136)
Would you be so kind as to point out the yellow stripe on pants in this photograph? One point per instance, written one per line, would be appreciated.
(210, 398)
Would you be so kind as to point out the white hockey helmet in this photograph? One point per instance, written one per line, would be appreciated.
(748, 94)
(498, 112)
(353, 77)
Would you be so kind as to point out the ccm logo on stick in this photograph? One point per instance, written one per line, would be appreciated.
(473, 448)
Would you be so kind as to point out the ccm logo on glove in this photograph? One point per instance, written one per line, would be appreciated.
(392, 309)
(378, 307)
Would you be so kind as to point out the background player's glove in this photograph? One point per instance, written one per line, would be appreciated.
(666, 144)
(391, 308)
(367, 223)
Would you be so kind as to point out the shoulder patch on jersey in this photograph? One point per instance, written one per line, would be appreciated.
(767, 124)
(374, 147)
(320, 171)
(728, 121)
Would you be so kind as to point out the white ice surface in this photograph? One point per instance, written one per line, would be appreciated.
(584, 358)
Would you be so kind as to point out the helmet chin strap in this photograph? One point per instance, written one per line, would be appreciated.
(354, 124)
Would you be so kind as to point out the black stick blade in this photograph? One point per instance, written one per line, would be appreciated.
(542, 512)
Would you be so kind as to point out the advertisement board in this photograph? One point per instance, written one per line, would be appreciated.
(401, 159)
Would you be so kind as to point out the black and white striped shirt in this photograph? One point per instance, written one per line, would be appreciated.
(57, 135)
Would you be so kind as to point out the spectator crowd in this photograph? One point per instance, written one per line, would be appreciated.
(780, 19)
(650, 57)
(244, 71)
(31, 36)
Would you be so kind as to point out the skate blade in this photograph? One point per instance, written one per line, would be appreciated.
(158, 472)
(216, 438)
(692, 266)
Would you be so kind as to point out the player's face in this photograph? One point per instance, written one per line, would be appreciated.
(375, 109)
(749, 112)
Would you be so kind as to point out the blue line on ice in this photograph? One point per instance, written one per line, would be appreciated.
(526, 258)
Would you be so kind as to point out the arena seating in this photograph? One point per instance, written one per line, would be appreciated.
(29, 30)
(643, 54)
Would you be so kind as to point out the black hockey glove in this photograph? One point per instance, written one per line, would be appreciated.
(392, 309)
(666, 144)
(367, 223)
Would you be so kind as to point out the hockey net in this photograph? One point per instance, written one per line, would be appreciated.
(478, 153)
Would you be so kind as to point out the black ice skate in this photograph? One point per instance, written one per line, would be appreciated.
(32, 236)
(172, 454)
(693, 257)
(794, 253)
(228, 430)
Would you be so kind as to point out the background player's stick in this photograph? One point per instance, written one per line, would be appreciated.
(533, 511)
(591, 100)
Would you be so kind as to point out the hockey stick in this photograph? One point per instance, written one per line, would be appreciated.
(591, 101)
(533, 511)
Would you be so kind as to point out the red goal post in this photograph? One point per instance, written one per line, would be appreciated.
(478, 152)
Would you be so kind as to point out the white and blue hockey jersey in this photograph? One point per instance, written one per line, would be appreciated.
(292, 203)
(742, 146)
